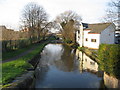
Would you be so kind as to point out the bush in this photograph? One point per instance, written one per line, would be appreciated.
(109, 56)
(10, 45)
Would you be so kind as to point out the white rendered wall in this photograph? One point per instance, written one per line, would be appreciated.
(89, 44)
(80, 36)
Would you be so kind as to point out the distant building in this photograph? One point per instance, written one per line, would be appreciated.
(117, 36)
(8, 34)
(92, 35)
(24, 30)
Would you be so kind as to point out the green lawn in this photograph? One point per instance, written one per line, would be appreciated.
(15, 68)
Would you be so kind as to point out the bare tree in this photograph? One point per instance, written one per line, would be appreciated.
(69, 32)
(34, 18)
(68, 22)
(113, 13)
(45, 29)
(67, 16)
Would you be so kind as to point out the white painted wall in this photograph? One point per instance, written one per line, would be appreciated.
(108, 35)
(94, 45)
(79, 36)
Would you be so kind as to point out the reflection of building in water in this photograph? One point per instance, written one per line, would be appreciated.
(85, 62)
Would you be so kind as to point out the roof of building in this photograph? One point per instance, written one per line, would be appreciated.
(98, 27)
(85, 25)
(2, 26)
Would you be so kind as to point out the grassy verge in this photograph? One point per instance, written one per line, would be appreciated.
(11, 54)
(16, 68)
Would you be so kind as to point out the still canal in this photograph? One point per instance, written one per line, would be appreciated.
(63, 67)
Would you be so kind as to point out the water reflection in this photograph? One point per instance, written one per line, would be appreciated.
(56, 55)
(86, 63)
(63, 67)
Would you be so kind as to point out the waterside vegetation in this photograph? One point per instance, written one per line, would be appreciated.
(107, 56)
(17, 67)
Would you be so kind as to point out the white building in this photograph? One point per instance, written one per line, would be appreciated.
(93, 35)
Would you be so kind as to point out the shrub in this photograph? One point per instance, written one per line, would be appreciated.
(109, 56)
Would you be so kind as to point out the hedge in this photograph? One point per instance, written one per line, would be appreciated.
(109, 56)
(9, 45)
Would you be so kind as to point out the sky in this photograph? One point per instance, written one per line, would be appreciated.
(91, 11)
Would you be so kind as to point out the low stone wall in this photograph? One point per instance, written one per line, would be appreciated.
(25, 81)
(35, 60)
(111, 82)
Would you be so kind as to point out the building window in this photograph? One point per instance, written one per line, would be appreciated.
(86, 39)
(93, 40)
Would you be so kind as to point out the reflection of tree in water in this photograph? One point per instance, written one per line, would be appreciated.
(63, 58)
(76, 63)
(58, 55)
(67, 58)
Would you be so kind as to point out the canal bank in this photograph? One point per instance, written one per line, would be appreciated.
(26, 64)
(60, 66)
(110, 80)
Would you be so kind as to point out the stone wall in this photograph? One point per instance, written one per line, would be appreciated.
(111, 82)
(24, 81)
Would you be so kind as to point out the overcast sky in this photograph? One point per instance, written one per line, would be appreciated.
(90, 10)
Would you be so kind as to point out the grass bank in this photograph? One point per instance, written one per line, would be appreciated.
(16, 68)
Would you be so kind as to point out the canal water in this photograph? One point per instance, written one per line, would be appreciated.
(63, 67)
